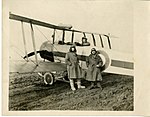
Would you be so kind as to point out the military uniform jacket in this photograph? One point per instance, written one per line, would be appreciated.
(73, 68)
(94, 72)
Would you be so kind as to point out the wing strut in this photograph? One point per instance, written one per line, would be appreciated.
(44, 24)
(72, 37)
(101, 41)
(63, 36)
(53, 36)
(24, 41)
(93, 39)
(33, 41)
(84, 34)
(108, 41)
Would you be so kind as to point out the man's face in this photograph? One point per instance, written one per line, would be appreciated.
(72, 49)
(93, 52)
(84, 40)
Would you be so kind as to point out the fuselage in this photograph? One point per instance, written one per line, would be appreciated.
(117, 62)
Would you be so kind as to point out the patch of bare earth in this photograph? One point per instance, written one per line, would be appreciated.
(28, 92)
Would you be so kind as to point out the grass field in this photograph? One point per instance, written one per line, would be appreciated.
(28, 92)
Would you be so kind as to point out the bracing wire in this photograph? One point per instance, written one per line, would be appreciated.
(21, 55)
(23, 52)
(42, 33)
(47, 39)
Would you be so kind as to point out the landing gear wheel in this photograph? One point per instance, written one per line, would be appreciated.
(48, 78)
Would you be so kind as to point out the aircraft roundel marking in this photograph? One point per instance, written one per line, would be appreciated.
(48, 78)
(105, 58)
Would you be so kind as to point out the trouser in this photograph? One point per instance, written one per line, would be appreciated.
(72, 84)
(97, 83)
(78, 84)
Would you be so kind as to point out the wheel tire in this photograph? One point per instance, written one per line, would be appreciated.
(48, 78)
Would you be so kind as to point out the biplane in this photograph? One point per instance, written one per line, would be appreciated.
(51, 65)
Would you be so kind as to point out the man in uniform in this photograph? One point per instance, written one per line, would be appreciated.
(94, 64)
(73, 68)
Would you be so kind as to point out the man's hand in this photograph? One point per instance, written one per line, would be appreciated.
(70, 63)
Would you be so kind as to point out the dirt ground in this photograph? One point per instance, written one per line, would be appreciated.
(28, 92)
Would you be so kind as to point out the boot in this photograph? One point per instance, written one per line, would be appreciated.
(92, 85)
(99, 85)
(79, 84)
(72, 85)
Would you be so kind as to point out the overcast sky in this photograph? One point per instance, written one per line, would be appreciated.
(114, 17)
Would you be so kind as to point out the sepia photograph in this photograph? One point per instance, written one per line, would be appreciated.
(83, 57)
(71, 55)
